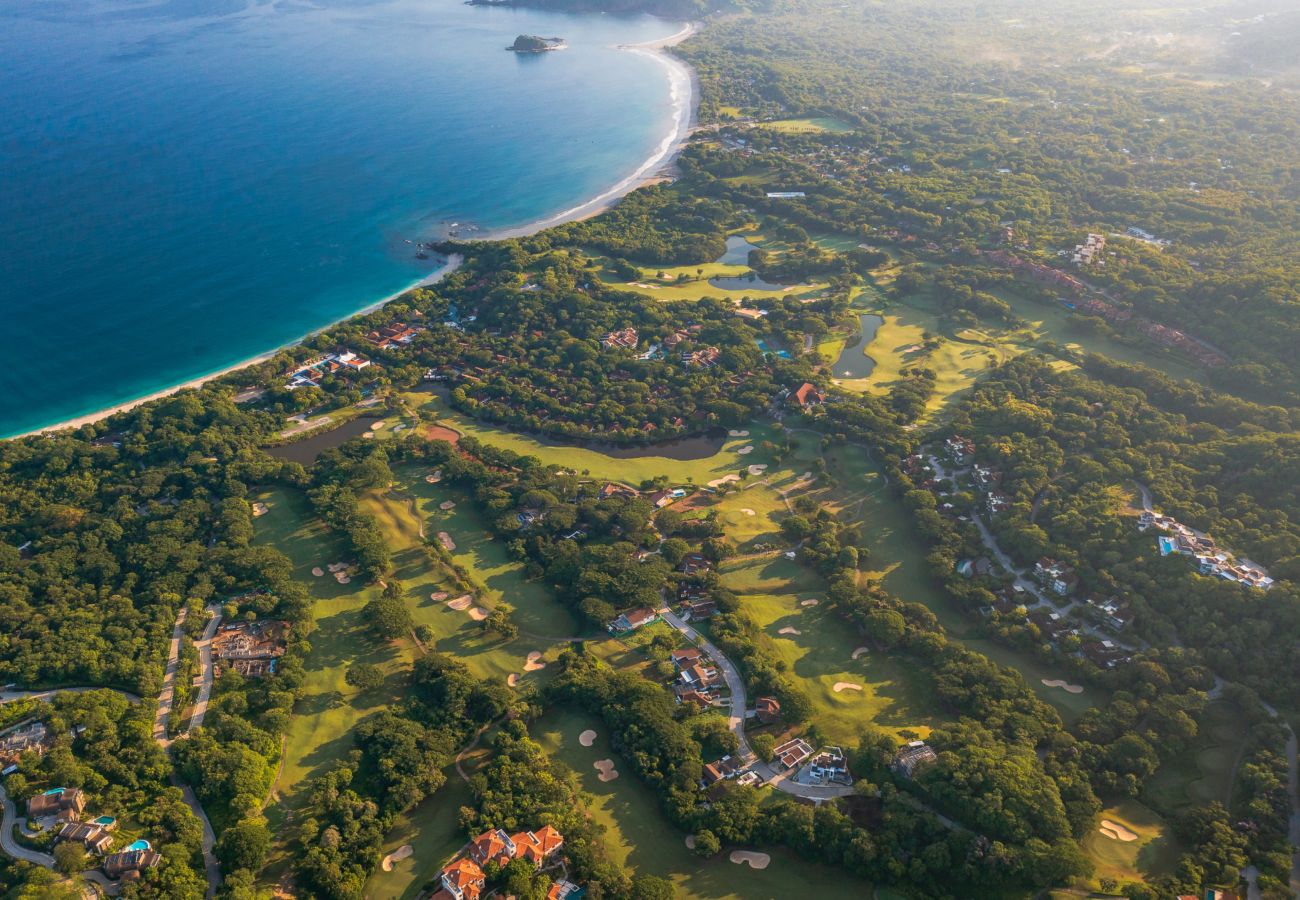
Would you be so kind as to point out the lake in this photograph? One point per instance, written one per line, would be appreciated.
(853, 361)
(185, 184)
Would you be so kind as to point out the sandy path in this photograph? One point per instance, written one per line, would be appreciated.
(606, 769)
(587, 738)
(397, 855)
(1116, 832)
(1063, 685)
(846, 686)
(754, 859)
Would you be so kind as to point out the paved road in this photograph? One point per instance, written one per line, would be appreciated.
(12, 847)
(167, 697)
(10, 696)
(205, 668)
(782, 781)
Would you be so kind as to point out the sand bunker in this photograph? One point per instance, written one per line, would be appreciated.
(342, 577)
(587, 738)
(318, 572)
(513, 679)
(439, 596)
(811, 601)
(378, 425)
(861, 650)
(447, 505)
(397, 855)
(758, 469)
(478, 614)
(534, 661)
(846, 686)
(789, 630)
(1116, 832)
(690, 842)
(447, 543)
(746, 450)
(725, 479)
(606, 769)
(1063, 685)
(461, 603)
(738, 433)
(337, 567)
(754, 859)
(368, 434)
(260, 509)
(749, 512)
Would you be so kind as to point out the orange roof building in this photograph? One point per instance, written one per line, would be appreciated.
(463, 879)
(538, 846)
(492, 846)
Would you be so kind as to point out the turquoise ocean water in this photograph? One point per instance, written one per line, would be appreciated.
(186, 184)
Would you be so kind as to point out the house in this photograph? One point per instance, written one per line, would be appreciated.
(538, 846)
(792, 753)
(767, 710)
(56, 801)
(92, 835)
(699, 677)
(633, 619)
(912, 757)
(492, 846)
(610, 490)
(695, 564)
(130, 863)
(564, 890)
(1056, 576)
(30, 738)
(961, 450)
(702, 699)
(705, 359)
(806, 396)
(829, 764)
(727, 767)
(997, 502)
(462, 879)
(250, 648)
(704, 608)
(660, 499)
(685, 658)
(398, 334)
(625, 339)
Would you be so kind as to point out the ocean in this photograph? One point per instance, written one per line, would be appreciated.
(186, 184)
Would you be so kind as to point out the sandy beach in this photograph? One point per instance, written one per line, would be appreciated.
(683, 92)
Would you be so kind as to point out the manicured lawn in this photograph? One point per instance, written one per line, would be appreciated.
(638, 836)
(432, 828)
(811, 125)
(602, 466)
(1155, 851)
(1203, 773)
(894, 695)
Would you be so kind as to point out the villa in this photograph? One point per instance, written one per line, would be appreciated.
(390, 337)
(829, 765)
(66, 803)
(806, 396)
(699, 677)
(767, 710)
(341, 363)
(792, 753)
(626, 339)
(31, 738)
(94, 836)
(463, 878)
(633, 619)
(727, 767)
(128, 864)
(1057, 576)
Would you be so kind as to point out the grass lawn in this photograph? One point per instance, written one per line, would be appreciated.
(1154, 852)
(1204, 772)
(603, 466)
(638, 836)
(894, 695)
(432, 829)
(811, 125)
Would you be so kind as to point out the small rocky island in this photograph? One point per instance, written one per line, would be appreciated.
(531, 43)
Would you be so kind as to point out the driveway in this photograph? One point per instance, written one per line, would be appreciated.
(11, 846)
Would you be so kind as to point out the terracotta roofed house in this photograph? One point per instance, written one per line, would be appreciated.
(492, 845)
(538, 846)
(806, 395)
(462, 879)
(634, 619)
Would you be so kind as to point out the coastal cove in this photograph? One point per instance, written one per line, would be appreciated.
(194, 229)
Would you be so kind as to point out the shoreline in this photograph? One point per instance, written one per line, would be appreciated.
(684, 91)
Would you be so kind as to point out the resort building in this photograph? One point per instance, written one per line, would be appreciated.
(390, 337)
(310, 373)
(909, 759)
(806, 396)
(626, 339)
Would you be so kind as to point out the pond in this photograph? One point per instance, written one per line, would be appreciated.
(750, 282)
(853, 361)
(737, 251)
(306, 450)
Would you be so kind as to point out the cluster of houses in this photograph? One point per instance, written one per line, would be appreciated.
(1088, 252)
(697, 678)
(463, 878)
(1211, 560)
(250, 648)
(704, 358)
(1056, 576)
(626, 339)
(33, 737)
(394, 336)
(62, 808)
(988, 480)
(1152, 331)
(1038, 272)
(310, 373)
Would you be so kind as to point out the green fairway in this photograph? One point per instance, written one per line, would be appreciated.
(432, 828)
(892, 694)
(639, 837)
(811, 125)
(1130, 843)
(1202, 773)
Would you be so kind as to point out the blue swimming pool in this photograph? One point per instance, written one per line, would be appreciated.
(139, 845)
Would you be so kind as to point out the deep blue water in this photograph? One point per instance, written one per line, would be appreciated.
(187, 183)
